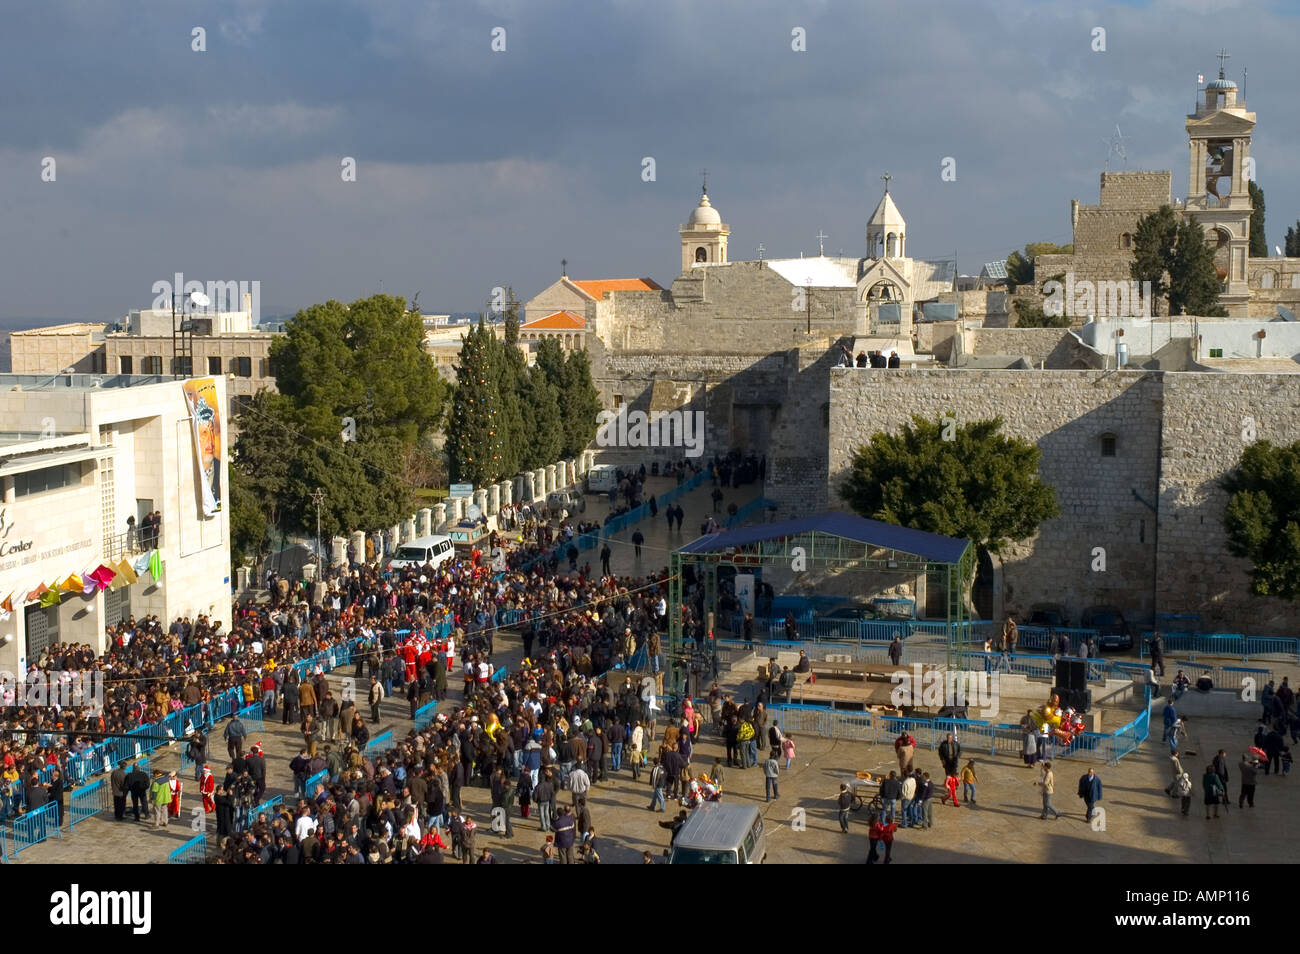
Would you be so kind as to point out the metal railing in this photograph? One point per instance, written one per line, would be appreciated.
(193, 852)
(87, 801)
(380, 743)
(267, 806)
(119, 546)
(1226, 644)
(35, 826)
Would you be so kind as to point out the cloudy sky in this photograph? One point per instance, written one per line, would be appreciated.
(477, 168)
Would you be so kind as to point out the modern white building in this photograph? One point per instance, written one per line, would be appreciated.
(79, 454)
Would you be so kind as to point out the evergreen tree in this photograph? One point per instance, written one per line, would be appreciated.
(1262, 517)
(1194, 284)
(1258, 242)
(511, 370)
(542, 420)
(581, 404)
(1153, 251)
(981, 484)
(474, 434)
(1292, 247)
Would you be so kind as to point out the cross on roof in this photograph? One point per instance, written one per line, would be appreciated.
(886, 177)
(821, 242)
(704, 174)
(1222, 55)
(760, 251)
(564, 267)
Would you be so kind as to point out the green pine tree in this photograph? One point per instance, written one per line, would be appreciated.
(1153, 251)
(542, 420)
(1258, 242)
(474, 435)
(1194, 284)
(1292, 247)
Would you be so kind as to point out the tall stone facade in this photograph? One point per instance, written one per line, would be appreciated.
(1155, 508)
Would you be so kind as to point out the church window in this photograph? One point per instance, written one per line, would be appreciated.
(891, 245)
(1266, 280)
(701, 254)
(1295, 280)
(1126, 240)
(1108, 442)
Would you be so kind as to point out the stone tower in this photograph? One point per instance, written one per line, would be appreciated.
(704, 236)
(1218, 198)
(886, 230)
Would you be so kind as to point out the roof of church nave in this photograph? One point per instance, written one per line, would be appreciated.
(597, 288)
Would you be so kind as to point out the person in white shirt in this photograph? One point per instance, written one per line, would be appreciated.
(305, 826)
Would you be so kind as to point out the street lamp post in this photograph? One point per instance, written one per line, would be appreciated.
(318, 498)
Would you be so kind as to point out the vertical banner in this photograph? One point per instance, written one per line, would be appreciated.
(745, 591)
(205, 415)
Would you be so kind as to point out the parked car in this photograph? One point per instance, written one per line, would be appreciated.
(1113, 631)
(841, 623)
(560, 501)
(1048, 616)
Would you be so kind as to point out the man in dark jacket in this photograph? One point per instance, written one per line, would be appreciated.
(565, 833)
(290, 699)
(1090, 792)
(950, 754)
(137, 783)
(117, 783)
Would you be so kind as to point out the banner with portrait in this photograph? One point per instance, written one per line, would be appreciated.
(205, 416)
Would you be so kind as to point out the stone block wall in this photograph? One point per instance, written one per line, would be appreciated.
(1039, 345)
(1178, 434)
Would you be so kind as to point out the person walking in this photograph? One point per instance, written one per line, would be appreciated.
(1213, 787)
(1248, 773)
(1047, 782)
(234, 734)
(197, 751)
(117, 783)
(638, 538)
(1183, 789)
(160, 797)
(950, 754)
(881, 831)
(896, 651)
(1221, 769)
(658, 777)
(1175, 773)
(376, 696)
(1156, 646)
(771, 768)
(605, 554)
(1090, 792)
(968, 782)
(845, 802)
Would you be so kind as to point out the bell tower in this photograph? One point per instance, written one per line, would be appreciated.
(1218, 197)
(704, 236)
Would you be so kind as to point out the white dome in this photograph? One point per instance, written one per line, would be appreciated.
(704, 214)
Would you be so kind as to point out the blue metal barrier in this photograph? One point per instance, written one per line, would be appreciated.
(251, 716)
(380, 743)
(193, 852)
(309, 786)
(88, 800)
(425, 715)
(35, 826)
(267, 806)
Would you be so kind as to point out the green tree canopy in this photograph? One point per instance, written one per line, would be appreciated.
(1262, 518)
(1194, 284)
(1292, 247)
(1153, 251)
(475, 434)
(363, 361)
(578, 399)
(1033, 316)
(1258, 241)
(1020, 266)
(981, 484)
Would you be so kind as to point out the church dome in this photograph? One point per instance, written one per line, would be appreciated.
(1221, 83)
(704, 213)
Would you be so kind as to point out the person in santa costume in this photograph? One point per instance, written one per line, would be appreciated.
(208, 785)
(174, 783)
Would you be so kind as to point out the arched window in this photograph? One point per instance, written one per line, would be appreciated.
(891, 245)
(1126, 240)
(701, 254)
(1266, 280)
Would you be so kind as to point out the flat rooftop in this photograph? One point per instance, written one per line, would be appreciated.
(78, 382)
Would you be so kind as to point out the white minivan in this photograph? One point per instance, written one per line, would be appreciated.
(602, 478)
(433, 550)
(720, 833)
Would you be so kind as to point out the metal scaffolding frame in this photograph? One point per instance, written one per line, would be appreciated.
(820, 550)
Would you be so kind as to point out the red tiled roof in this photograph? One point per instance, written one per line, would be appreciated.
(557, 321)
(597, 289)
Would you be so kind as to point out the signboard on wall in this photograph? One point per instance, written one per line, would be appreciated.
(745, 591)
(205, 416)
(461, 490)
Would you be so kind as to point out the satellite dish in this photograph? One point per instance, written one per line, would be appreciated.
(474, 512)
(1286, 313)
(199, 300)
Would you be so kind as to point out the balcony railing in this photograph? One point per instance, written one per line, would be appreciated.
(131, 543)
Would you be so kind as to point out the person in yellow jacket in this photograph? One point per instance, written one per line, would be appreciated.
(968, 781)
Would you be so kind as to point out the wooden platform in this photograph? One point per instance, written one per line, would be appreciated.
(857, 692)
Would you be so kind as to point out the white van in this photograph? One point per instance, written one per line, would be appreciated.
(718, 833)
(602, 478)
(433, 550)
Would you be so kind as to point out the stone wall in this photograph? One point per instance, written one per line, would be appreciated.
(1177, 435)
(741, 307)
(1039, 345)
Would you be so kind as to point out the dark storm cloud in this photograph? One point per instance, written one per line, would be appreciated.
(479, 168)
